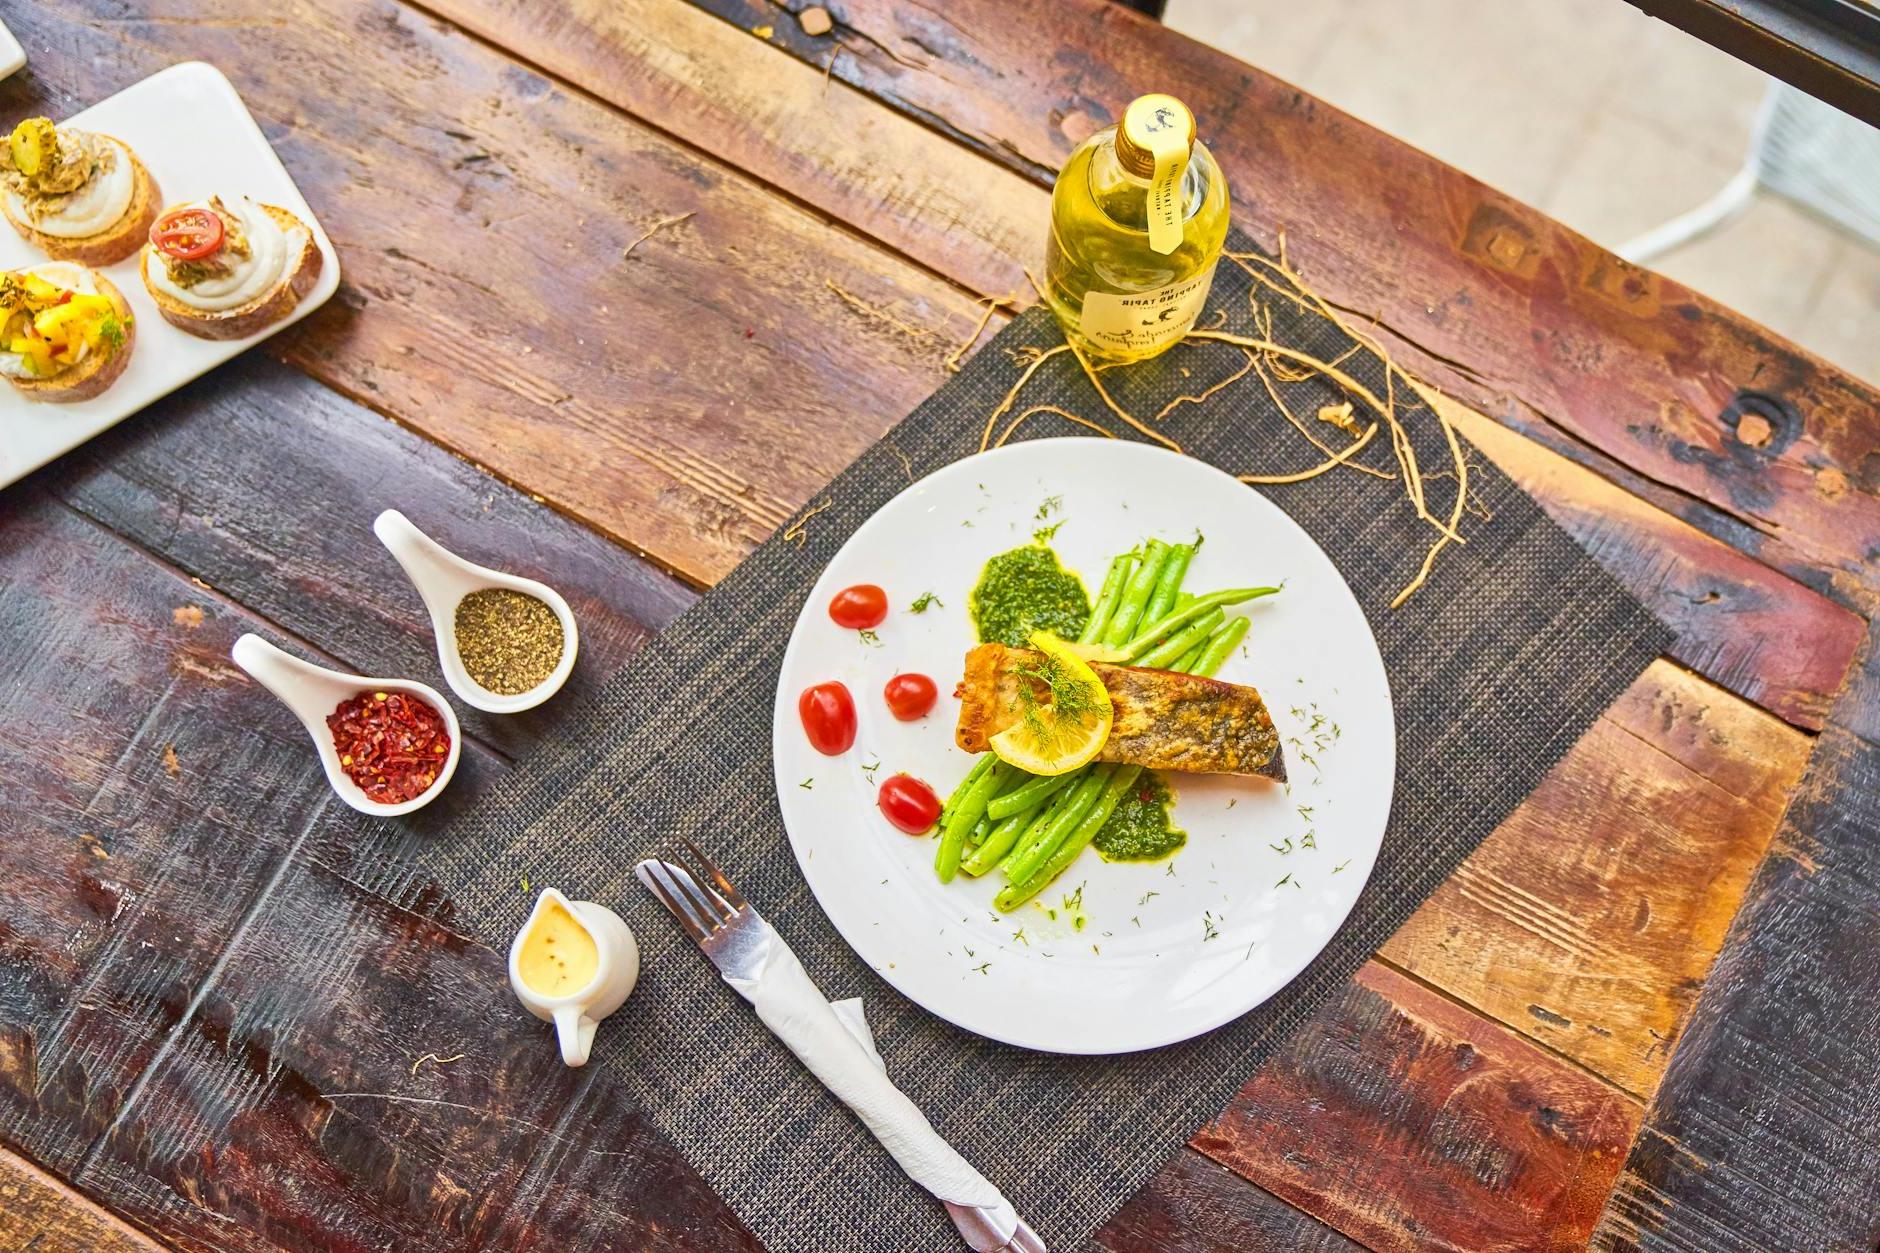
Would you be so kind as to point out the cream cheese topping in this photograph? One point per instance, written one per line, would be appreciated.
(271, 251)
(72, 277)
(94, 208)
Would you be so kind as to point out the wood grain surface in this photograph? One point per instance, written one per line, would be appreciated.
(827, 144)
(1406, 1121)
(1495, 302)
(239, 1024)
(40, 1213)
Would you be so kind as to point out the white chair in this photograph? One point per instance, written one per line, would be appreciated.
(1813, 153)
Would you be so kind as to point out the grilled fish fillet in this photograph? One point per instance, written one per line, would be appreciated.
(1163, 720)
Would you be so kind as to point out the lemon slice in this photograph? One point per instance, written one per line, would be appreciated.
(1064, 727)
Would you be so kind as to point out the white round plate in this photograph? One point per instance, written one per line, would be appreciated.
(1151, 953)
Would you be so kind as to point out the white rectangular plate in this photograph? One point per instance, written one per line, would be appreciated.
(12, 56)
(191, 129)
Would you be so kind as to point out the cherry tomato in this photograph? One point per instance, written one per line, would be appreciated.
(908, 803)
(910, 696)
(860, 607)
(187, 234)
(828, 713)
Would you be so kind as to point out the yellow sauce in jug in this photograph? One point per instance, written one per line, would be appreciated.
(558, 955)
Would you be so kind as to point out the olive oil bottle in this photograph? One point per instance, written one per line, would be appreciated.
(1138, 218)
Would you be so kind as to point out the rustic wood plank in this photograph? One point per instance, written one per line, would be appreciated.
(200, 480)
(40, 1213)
(1589, 918)
(1407, 1121)
(1762, 1135)
(785, 122)
(903, 183)
(682, 397)
(1194, 1205)
(1497, 303)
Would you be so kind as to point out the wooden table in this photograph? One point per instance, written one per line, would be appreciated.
(1642, 1015)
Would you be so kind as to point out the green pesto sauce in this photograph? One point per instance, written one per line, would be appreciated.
(1026, 590)
(1140, 828)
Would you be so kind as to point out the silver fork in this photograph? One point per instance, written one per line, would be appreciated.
(833, 1041)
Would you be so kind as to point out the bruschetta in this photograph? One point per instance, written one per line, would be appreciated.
(76, 195)
(227, 269)
(66, 332)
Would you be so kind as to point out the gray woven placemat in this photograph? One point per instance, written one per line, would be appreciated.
(1518, 642)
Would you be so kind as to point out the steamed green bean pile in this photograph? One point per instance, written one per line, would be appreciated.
(1031, 828)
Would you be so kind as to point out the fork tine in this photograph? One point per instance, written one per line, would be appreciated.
(719, 881)
(698, 886)
(655, 879)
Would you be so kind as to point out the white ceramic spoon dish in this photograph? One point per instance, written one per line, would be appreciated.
(443, 579)
(312, 692)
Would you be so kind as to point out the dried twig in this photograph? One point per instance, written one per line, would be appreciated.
(433, 1057)
(795, 532)
(992, 303)
(653, 230)
(1052, 409)
(876, 314)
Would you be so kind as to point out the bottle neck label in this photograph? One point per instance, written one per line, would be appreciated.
(1169, 146)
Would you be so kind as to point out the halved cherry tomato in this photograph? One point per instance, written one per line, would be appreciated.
(908, 803)
(828, 713)
(860, 607)
(910, 696)
(187, 234)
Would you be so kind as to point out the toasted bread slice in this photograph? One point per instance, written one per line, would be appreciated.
(108, 246)
(261, 312)
(98, 370)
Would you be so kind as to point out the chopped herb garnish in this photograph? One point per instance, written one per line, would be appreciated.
(1341, 865)
(1051, 504)
(1146, 898)
(1284, 880)
(983, 967)
(925, 601)
(870, 638)
(1208, 930)
(809, 784)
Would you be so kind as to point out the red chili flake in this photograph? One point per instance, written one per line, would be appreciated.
(390, 744)
(750, 332)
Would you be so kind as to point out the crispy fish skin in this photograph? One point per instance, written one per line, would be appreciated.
(1162, 720)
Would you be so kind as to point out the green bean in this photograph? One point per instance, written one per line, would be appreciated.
(1031, 790)
(999, 841)
(985, 762)
(960, 821)
(1177, 645)
(1018, 891)
(1168, 584)
(990, 855)
(1122, 627)
(1220, 644)
(1024, 862)
(1120, 570)
(1146, 638)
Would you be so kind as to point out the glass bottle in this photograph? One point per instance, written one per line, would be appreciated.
(1138, 219)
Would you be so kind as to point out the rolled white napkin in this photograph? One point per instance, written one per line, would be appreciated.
(834, 1042)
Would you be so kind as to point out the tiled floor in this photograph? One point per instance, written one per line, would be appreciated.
(1607, 119)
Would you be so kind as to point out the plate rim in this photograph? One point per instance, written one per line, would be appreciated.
(780, 719)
